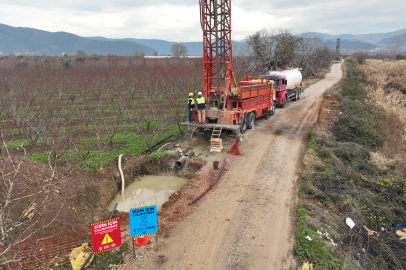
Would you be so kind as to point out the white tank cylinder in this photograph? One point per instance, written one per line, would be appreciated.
(293, 76)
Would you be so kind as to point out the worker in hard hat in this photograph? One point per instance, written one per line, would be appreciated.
(201, 106)
(191, 106)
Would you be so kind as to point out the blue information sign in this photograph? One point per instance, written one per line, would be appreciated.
(143, 220)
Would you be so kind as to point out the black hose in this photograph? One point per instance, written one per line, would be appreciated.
(157, 143)
(114, 210)
(87, 260)
(215, 181)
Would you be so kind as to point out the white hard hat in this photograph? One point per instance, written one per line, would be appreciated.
(200, 93)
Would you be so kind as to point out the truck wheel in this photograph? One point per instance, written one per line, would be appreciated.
(250, 120)
(273, 108)
(284, 102)
(268, 115)
(243, 126)
(296, 95)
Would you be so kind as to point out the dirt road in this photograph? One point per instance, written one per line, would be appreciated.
(248, 220)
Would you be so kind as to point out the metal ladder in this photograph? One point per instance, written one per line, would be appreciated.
(216, 132)
(190, 130)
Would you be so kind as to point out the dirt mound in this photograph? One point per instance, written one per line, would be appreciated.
(329, 109)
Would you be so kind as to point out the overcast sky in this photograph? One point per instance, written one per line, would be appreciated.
(178, 20)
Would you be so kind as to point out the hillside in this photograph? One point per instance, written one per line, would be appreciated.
(402, 38)
(161, 46)
(348, 46)
(17, 40)
(369, 38)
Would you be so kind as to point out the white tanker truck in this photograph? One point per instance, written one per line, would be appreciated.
(288, 85)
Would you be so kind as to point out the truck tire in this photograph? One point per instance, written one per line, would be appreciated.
(268, 115)
(250, 120)
(273, 108)
(296, 95)
(284, 102)
(243, 126)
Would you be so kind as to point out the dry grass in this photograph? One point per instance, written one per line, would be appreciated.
(388, 90)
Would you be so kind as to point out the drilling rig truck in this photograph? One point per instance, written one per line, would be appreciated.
(229, 105)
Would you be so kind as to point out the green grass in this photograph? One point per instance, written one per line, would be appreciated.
(315, 250)
(334, 186)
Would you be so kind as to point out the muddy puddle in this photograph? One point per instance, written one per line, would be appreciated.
(204, 143)
(151, 190)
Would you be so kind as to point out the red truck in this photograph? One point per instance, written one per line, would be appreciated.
(288, 85)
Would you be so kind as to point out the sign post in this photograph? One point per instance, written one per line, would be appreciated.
(106, 235)
(143, 221)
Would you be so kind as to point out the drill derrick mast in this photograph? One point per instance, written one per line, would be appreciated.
(338, 50)
(231, 107)
(217, 51)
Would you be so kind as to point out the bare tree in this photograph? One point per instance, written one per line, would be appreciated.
(137, 53)
(179, 50)
(273, 50)
(31, 204)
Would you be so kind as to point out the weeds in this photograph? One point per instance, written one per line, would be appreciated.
(344, 176)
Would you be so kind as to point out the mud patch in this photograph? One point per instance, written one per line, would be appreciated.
(329, 110)
(150, 190)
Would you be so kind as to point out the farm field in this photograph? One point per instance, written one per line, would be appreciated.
(85, 111)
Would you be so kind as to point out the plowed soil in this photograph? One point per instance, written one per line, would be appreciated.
(248, 220)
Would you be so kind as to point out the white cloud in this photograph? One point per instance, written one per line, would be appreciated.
(178, 20)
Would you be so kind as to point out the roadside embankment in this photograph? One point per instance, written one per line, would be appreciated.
(353, 169)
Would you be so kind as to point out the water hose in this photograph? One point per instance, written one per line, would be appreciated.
(122, 175)
(212, 185)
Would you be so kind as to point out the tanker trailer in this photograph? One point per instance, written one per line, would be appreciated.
(288, 85)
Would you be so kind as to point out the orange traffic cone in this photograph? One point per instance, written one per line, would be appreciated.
(141, 241)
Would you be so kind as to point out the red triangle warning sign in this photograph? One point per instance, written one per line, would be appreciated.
(107, 240)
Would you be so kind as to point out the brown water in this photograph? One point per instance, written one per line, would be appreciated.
(204, 143)
(151, 190)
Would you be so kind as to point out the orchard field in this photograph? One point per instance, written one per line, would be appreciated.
(85, 111)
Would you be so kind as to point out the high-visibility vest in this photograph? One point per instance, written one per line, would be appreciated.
(193, 101)
(200, 100)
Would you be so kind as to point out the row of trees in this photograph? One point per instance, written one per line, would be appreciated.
(268, 50)
(79, 111)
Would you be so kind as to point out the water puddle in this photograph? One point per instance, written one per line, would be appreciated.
(151, 190)
(203, 144)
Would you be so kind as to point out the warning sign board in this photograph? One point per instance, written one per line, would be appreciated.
(106, 235)
(143, 220)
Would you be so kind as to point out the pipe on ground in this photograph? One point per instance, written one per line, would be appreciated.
(180, 162)
(122, 175)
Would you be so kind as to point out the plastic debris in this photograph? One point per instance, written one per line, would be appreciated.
(401, 234)
(399, 226)
(375, 251)
(327, 236)
(307, 266)
(371, 232)
(350, 223)
(309, 238)
(79, 255)
(361, 168)
(382, 229)
(363, 250)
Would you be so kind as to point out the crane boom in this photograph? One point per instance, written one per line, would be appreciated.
(217, 50)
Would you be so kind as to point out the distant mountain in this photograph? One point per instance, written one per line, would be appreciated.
(163, 46)
(28, 40)
(348, 46)
(401, 37)
(369, 38)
